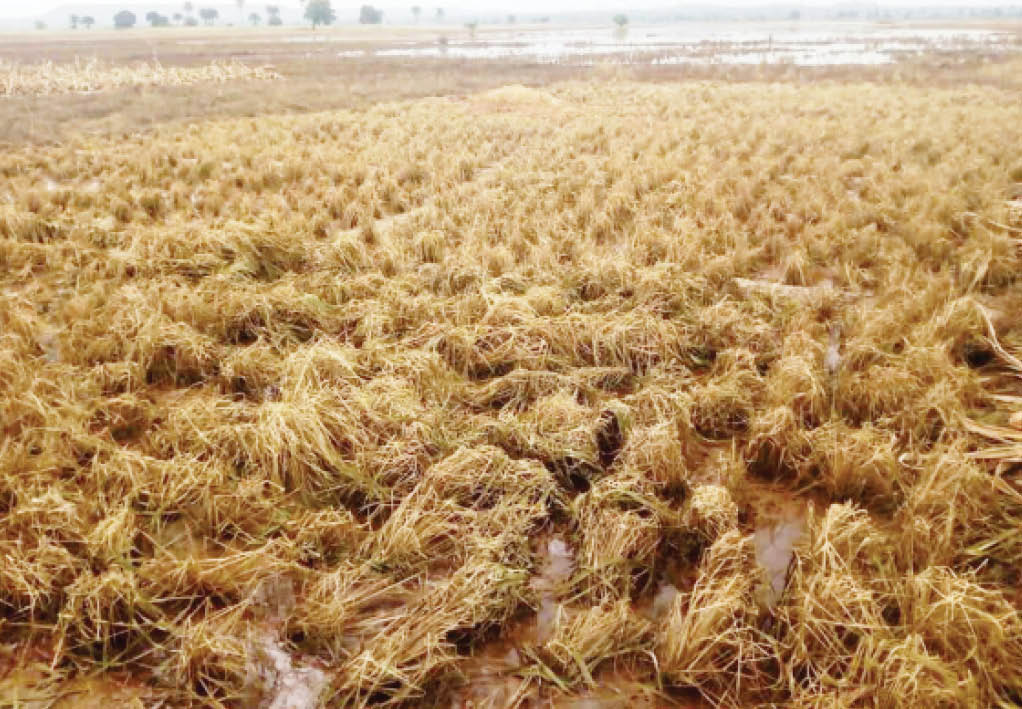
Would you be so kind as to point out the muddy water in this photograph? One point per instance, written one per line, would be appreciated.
(775, 545)
(780, 521)
(557, 567)
(498, 673)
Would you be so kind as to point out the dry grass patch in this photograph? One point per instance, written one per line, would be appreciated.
(92, 75)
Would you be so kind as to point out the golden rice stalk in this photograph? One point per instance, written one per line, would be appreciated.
(617, 550)
(657, 453)
(581, 644)
(710, 512)
(416, 650)
(709, 640)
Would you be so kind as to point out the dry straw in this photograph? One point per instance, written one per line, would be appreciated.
(385, 395)
(92, 75)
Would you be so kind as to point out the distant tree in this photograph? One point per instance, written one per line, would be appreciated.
(124, 19)
(320, 12)
(254, 18)
(191, 22)
(188, 8)
(471, 27)
(74, 22)
(416, 11)
(273, 15)
(241, 9)
(511, 19)
(370, 15)
(40, 25)
(795, 15)
(178, 17)
(88, 21)
(209, 15)
(440, 13)
(620, 20)
(156, 19)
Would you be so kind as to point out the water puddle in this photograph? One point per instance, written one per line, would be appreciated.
(277, 682)
(490, 679)
(774, 552)
(557, 567)
(780, 520)
(663, 600)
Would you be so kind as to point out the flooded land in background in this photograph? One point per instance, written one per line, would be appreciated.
(175, 73)
(810, 44)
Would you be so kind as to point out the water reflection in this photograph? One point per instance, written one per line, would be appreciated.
(774, 551)
(781, 520)
(558, 566)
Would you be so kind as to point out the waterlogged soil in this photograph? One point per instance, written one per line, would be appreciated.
(780, 520)
(497, 674)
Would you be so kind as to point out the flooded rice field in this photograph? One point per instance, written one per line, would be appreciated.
(811, 44)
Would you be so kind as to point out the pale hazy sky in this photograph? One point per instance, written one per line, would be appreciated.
(34, 8)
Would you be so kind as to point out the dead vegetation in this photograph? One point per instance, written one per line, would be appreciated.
(92, 75)
(266, 443)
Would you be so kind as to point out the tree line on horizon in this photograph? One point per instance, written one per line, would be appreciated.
(317, 12)
(125, 19)
(321, 12)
